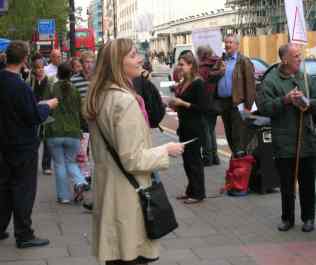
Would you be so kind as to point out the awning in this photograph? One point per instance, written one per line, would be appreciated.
(4, 43)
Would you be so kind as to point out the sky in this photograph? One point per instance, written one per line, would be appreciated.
(195, 3)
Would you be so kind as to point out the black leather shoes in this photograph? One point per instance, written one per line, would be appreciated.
(4, 235)
(285, 226)
(216, 160)
(35, 242)
(308, 226)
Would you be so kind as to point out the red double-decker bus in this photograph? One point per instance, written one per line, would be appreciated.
(85, 40)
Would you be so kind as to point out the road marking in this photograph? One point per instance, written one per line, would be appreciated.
(220, 141)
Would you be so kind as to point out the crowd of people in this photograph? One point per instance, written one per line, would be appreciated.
(83, 104)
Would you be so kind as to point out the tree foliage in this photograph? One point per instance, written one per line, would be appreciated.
(21, 19)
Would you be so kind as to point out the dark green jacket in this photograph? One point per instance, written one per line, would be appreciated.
(66, 115)
(285, 118)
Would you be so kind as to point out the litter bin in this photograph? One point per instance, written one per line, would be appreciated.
(264, 177)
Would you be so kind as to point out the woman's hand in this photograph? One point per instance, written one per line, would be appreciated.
(174, 149)
(178, 102)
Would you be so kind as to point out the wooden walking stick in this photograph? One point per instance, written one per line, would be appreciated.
(298, 149)
(300, 129)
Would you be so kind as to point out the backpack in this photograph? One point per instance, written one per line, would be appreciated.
(155, 108)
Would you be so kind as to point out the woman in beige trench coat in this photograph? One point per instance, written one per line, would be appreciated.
(119, 235)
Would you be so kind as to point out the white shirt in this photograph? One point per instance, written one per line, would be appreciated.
(50, 70)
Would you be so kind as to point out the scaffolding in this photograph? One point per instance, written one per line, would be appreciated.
(266, 16)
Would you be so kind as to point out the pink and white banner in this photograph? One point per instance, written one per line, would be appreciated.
(296, 21)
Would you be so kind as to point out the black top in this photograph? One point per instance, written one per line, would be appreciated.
(195, 94)
(19, 117)
(40, 88)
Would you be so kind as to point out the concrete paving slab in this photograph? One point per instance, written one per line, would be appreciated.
(23, 262)
(72, 261)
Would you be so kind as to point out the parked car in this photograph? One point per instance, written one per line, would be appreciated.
(162, 80)
(310, 67)
(260, 67)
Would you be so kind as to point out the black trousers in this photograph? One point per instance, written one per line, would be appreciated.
(193, 164)
(209, 143)
(18, 183)
(306, 181)
(47, 158)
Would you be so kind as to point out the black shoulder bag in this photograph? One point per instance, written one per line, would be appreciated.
(158, 213)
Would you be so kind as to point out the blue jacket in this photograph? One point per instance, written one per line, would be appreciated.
(20, 117)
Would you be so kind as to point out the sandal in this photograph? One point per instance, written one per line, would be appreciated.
(192, 201)
(182, 197)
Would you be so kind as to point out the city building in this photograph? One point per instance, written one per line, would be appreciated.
(136, 19)
(126, 18)
(179, 31)
(95, 19)
(110, 18)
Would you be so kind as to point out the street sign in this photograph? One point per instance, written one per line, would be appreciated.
(46, 28)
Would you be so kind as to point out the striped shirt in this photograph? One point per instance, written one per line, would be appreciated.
(81, 84)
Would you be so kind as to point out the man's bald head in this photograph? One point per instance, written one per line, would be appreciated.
(55, 57)
(290, 56)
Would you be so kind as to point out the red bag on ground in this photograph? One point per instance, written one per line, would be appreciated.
(237, 175)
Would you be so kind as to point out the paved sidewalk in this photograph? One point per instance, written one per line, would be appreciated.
(220, 231)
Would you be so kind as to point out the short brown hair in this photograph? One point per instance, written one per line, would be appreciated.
(190, 59)
(17, 51)
(86, 55)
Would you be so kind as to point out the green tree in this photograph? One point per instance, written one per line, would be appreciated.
(21, 19)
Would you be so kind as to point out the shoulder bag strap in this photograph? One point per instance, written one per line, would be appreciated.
(116, 158)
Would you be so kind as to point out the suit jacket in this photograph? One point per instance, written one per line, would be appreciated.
(244, 85)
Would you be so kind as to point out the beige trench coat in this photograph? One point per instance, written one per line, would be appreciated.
(118, 225)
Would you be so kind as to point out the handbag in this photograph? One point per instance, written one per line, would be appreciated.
(159, 217)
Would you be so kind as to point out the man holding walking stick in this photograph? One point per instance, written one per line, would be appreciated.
(283, 98)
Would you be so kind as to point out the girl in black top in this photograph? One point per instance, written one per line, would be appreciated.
(191, 103)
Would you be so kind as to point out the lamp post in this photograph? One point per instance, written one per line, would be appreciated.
(114, 18)
(102, 5)
(72, 29)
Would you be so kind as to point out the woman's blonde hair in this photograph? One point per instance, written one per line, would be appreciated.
(108, 71)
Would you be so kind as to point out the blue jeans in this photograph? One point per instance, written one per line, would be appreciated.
(64, 151)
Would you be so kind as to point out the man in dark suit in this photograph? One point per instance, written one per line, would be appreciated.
(19, 119)
(237, 86)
